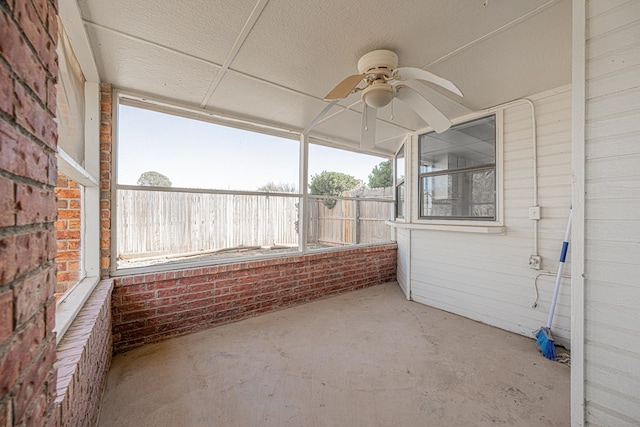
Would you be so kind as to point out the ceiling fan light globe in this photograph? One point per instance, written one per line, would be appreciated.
(378, 96)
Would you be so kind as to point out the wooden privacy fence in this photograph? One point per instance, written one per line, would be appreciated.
(352, 221)
(160, 222)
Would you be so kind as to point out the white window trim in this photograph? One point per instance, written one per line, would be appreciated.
(406, 211)
(495, 226)
(70, 304)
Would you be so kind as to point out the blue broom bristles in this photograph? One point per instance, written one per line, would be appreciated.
(545, 343)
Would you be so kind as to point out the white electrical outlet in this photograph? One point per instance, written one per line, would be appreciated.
(534, 212)
(535, 262)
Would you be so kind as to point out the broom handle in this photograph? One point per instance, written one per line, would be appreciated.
(563, 256)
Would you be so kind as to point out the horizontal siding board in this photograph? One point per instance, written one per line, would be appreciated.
(614, 60)
(612, 359)
(606, 186)
(595, 8)
(618, 104)
(618, 167)
(612, 223)
(613, 83)
(614, 310)
(613, 146)
(520, 294)
(614, 17)
(617, 337)
(618, 384)
(598, 415)
(612, 403)
(613, 253)
(614, 230)
(619, 37)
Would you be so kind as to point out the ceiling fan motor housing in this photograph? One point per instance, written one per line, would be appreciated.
(378, 94)
(378, 62)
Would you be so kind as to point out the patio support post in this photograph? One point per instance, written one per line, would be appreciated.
(304, 191)
(578, 92)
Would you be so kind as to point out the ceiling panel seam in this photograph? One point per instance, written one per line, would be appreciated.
(197, 58)
(492, 33)
(150, 43)
(248, 26)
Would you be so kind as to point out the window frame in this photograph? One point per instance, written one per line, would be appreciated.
(137, 100)
(87, 174)
(400, 185)
(72, 301)
(459, 222)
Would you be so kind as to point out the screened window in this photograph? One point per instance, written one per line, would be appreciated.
(399, 183)
(188, 190)
(457, 172)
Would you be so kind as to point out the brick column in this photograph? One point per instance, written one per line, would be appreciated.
(105, 180)
(28, 140)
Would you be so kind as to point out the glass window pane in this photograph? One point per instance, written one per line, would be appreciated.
(457, 171)
(462, 146)
(160, 149)
(400, 197)
(469, 194)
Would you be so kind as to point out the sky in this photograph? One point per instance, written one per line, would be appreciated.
(196, 154)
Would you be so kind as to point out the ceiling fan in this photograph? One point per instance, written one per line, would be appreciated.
(380, 80)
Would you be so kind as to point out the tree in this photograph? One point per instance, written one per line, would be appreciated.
(154, 179)
(280, 187)
(381, 175)
(332, 184)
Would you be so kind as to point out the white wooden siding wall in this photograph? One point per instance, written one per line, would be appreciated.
(612, 214)
(402, 237)
(485, 276)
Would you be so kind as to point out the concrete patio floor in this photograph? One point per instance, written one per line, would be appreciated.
(367, 358)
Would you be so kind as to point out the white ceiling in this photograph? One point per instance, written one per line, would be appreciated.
(273, 61)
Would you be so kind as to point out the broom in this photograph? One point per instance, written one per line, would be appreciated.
(544, 339)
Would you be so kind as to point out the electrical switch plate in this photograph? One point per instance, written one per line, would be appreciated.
(535, 262)
(534, 212)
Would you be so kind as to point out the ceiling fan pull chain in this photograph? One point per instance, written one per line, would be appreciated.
(366, 128)
(392, 110)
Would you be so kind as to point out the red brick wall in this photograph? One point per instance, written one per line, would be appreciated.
(105, 180)
(151, 307)
(28, 140)
(84, 357)
(68, 232)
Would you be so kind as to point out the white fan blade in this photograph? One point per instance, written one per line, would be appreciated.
(319, 117)
(368, 135)
(406, 73)
(345, 87)
(429, 113)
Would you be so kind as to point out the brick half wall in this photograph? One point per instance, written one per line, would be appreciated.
(83, 360)
(152, 307)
